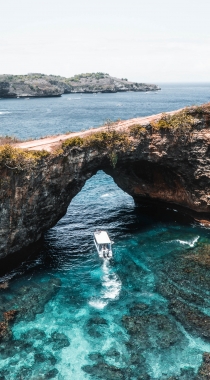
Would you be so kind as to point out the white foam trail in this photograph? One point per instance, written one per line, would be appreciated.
(111, 287)
(105, 195)
(4, 112)
(191, 243)
(98, 304)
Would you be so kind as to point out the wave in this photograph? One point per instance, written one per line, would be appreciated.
(73, 98)
(191, 243)
(110, 194)
(105, 195)
(97, 303)
(4, 112)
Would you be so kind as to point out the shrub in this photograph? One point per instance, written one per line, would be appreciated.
(108, 141)
(137, 130)
(180, 120)
(15, 158)
(73, 141)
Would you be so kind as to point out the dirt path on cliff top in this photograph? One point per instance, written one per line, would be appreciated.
(52, 142)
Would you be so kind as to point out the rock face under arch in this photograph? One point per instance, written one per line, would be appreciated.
(159, 165)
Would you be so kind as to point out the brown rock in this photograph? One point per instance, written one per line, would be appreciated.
(158, 164)
(204, 370)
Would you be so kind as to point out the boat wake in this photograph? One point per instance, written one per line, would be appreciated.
(111, 287)
(191, 243)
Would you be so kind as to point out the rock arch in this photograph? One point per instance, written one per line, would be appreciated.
(157, 165)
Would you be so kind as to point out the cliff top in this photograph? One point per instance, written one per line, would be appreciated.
(180, 119)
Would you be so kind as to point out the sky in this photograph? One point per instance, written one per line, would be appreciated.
(151, 41)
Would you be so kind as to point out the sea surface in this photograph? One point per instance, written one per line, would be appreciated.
(80, 317)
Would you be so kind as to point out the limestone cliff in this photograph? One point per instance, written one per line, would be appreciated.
(162, 158)
(40, 85)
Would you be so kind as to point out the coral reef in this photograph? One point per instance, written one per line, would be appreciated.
(29, 301)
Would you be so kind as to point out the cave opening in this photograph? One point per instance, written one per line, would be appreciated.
(100, 204)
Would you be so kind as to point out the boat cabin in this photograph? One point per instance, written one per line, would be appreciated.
(103, 244)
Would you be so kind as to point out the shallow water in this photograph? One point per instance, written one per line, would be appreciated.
(117, 319)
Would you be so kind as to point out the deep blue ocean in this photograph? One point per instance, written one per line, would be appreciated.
(82, 318)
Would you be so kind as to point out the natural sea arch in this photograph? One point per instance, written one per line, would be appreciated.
(158, 165)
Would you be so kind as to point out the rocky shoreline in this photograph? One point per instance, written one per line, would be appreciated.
(40, 85)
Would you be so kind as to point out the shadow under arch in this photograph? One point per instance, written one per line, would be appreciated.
(99, 204)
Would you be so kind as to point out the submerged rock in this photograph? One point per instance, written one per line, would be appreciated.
(172, 290)
(14, 346)
(113, 353)
(34, 334)
(8, 317)
(102, 370)
(96, 321)
(31, 300)
(138, 308)
(51, 374)
(96, 326)
(204, 370)
(59, 340)
(152, 331)
(24, 373)
(4, 374)
(191, 318)
(45, 357)
(94, 333)
(185, 374)
(95, 356)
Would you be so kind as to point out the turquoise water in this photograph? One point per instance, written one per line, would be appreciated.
(83, 318)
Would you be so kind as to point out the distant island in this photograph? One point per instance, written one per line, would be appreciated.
(41, 85)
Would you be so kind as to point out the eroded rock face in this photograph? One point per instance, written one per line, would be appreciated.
(158, 165)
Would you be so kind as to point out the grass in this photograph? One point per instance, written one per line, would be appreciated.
(180, 120)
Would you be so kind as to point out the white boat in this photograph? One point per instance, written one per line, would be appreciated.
(103, 244)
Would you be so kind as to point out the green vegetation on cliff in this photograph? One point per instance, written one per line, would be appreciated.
(179, 120)
(184, 119)
(18, 159)
(109, 140)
